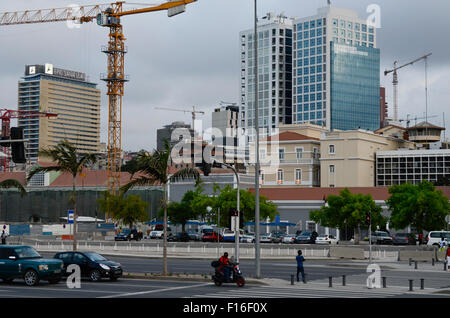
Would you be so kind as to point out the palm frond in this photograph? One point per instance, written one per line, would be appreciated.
(186, 173)
(38, 169)
(141, 181)
(11, 183)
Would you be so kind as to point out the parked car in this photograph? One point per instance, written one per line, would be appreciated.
(247, 238)
(434, 238)
(289, 239)
(306, 238)
(26, 263)
(404, 239)
(327, 239)
(128, 235)
(159, 233)
(266, 238)
(228, 235)
(194, 235)
(381, 237)
(211, 236)
(179, 237)
(277, 236)
(92, 265)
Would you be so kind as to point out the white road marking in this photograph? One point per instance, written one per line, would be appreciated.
(155, 291)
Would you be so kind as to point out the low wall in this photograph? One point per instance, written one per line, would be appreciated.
(422, 255)
(347, 252)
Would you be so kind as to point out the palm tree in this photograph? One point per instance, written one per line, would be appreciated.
(66, 160)
(12, 183)
(155, 169)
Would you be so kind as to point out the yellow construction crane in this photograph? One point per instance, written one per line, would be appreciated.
(106, 15)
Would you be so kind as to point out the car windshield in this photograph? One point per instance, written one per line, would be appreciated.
(322, 236)
(306, 234)
(382, 234)
(95, 257)
(401, 234)
(26, 252)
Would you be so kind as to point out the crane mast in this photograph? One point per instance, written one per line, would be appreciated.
(395, 80)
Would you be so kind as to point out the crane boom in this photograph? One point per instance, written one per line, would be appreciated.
(395, 80)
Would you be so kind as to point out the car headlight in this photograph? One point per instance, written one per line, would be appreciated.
(105, 267)
(43, 267)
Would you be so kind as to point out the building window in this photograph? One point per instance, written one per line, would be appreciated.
(298, 176)
(281, 154)
(299, 152)
(332, 169)
(280, 176)
(331, 149)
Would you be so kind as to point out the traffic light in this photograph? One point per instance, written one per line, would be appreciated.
(17, 148)
(367, 221)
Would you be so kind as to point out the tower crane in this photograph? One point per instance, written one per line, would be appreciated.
(395, 80)
(106, 15)
(5, 116)
(193, 112)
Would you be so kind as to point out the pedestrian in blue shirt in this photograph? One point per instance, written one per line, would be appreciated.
(300, 259)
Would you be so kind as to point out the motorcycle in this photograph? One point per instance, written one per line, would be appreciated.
(235, 275)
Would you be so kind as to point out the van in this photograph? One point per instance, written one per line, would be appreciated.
(434, 238)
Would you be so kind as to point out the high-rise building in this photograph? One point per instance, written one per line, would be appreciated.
(336, 71)
(167, 132)
(274, 74)
(76, 101)
(226, 119)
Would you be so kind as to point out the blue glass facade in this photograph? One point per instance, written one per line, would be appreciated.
(355, 87)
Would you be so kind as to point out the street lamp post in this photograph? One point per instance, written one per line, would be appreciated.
(236, 227)
(257, 243)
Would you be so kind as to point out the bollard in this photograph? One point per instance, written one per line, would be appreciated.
(422, 283)
(432, 261)
(415, 264)
(445, 266)
(410, 285)
(410, 261)
(384, 282)
(343, 280)
(330, 281)
(292, 279)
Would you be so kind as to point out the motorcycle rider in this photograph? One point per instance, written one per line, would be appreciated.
(225, 265)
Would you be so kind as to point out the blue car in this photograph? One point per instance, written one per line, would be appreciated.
(25, 263)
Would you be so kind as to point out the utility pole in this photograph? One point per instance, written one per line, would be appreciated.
(257, 242)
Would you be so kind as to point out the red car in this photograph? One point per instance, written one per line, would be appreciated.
(211, 236)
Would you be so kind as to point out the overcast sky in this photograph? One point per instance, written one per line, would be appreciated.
(194, 58)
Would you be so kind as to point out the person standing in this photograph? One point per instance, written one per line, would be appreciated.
(300, 259)
(3, 237)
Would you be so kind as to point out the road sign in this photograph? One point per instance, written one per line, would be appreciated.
(70, 216)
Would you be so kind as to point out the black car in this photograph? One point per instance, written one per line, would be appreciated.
(404, 239)
(128, 235)
(92, 265)
(306, 238)
(179, 237)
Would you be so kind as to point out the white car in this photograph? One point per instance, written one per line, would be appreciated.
(289, 239)
(265, 238)
(158, 234)
(326, 239)
(435, 237)
(247, 238)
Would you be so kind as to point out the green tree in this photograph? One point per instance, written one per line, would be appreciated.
(421, 206)
(129, 210)
(227, 199)
(181, 212)
(66, 159)
(349, 210)
(155, 171)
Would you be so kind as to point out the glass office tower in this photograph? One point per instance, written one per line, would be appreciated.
(335, 71)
